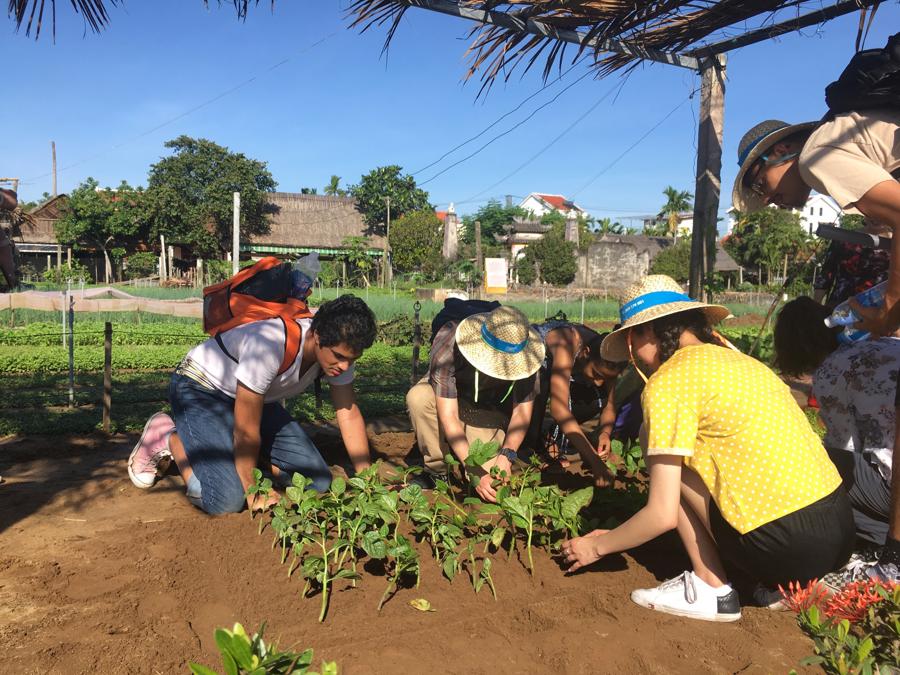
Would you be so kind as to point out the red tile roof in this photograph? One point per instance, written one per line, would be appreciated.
(556, 201)
(442, 216)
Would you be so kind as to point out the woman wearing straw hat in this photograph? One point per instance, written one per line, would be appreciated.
(733, 463)
(480, 385)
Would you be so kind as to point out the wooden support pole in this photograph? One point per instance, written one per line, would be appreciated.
(107, 375)
(709, 168)
(71, 301)
(236, 235)
(479, 261)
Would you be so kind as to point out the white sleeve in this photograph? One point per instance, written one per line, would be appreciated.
(260, 355)
(344, 378)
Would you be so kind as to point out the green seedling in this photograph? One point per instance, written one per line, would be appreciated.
(261, 487)
(477, 576)
(242, 653)
(631, 454)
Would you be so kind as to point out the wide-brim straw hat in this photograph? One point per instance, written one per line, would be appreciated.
(652, 297)
(501, 344)
(753, 145)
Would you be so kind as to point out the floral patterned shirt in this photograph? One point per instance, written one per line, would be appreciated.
(855, 387)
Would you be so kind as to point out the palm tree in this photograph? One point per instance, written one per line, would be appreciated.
(677, 202)
(333, 188)
(605, 226)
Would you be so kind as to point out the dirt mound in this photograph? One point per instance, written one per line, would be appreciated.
(97, 576)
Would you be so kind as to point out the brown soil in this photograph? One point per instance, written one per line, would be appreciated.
(99, 577)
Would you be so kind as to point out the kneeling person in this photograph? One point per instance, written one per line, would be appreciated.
(225, 402)
(481, 381)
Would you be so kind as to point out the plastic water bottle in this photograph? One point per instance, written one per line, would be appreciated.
(844, 316)
(303, 275)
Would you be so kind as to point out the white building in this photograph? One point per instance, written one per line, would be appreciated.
(818, 210)
(540, 204)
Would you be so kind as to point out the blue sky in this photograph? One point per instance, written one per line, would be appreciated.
(110, 101)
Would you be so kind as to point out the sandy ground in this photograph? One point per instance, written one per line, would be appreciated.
(99, 577)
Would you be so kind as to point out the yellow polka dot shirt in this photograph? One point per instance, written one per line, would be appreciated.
(737, 425)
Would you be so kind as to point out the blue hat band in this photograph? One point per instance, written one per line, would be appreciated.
(755, 142)
(501, 345)
(644, 302)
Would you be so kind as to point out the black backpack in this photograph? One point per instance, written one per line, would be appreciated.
(455, 309)
(870, 80)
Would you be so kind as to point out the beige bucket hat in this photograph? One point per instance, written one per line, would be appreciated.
(501, 344)
(652, 297)
(754, 145)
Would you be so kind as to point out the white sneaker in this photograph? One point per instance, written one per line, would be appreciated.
(689, 596)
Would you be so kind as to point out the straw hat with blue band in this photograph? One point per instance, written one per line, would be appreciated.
(756, 143)
(652, 297)
(501, 344)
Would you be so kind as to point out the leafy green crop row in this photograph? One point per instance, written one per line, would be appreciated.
(90, 333)
(326, 535)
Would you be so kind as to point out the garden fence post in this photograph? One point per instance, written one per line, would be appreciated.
(417, 341)
(71, 351)
(107, 374)
(582, 306)
(63, 319)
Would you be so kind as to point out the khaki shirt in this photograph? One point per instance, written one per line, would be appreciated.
(848, 156)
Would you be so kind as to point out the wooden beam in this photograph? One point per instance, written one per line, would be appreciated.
(513, 22)
(769, 32)
(709, 167)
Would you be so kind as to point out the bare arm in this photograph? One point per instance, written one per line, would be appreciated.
(894, 516)
(607, 423)
(248, 407)
(881, 204)
(454, 432)
(658, 516)
(352, 425)
(561, 344)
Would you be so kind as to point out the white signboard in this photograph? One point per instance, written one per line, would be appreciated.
(495, 275)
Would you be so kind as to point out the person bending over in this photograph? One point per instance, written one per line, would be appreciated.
(580, 385)
(734, 465)
(227, 417)
(855, 385)
(854, 158)
(481, 385)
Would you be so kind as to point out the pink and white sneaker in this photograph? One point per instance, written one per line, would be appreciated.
(151, 456)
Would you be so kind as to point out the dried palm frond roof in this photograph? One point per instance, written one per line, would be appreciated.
(616, 34)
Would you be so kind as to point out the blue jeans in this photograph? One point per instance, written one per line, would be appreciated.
(204, 420)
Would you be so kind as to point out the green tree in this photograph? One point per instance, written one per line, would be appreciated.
(554, 256)
(525, 271)
(383, 182)
(108, 220)
(495, 218)
(333, 189)
(674, 261)
(604, 226)
(677, 202)
(416, 239)
(356, 255)
(190, 195)
(140, 265)
(853, 221)
(761, 240)
(308, 191)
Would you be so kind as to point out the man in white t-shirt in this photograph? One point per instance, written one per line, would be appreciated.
(225, 402)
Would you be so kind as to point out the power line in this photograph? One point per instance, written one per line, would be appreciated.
(190, 111)
(497, 121)
(635, 144)
(548, 146)
(508, 131)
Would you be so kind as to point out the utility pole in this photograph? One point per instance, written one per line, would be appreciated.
(479, 262)
(53, 153)
(236, 235)
(385, 274)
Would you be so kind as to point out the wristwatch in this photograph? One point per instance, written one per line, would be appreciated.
(510, 454)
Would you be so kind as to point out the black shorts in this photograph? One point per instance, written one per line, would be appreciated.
(800, 546)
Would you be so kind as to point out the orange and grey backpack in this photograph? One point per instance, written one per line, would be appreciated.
(262, 291)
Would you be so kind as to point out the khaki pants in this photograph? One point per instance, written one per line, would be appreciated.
(422, 405)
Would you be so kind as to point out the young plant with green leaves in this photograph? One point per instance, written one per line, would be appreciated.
(245, 655)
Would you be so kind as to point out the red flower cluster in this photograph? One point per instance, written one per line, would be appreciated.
(855, 599)
(799, 598)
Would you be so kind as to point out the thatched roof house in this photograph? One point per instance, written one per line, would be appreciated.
(305, 223)
(39, 236)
